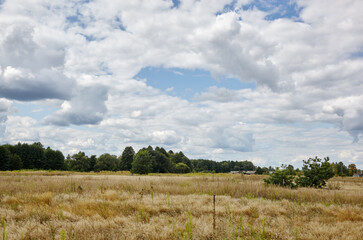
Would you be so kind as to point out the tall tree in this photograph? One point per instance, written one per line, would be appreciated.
(92, 163)
(161, 163)
(126, 158)
(15, 162)
(142, 163)
(32, 155)
(54, 159)
(352, 169)
(5, 157)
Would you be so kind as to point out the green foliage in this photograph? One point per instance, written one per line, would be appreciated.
(340, 169)
(15, 162)
(315, 173)
(181, 168)
(161, 162)
(92, 162)
(106, 162)
(126, 158)
(259, 171)
(5, 156)
(202, 165)
(54, 159)
(181, 158)
(142, 163)
(189, 227)
(32, 155)
(78, 162)
(281, 178)
(3, 225)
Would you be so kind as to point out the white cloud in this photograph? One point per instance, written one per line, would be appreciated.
(81, 57)
(87, 107)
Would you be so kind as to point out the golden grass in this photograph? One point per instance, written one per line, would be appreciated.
(65, 205)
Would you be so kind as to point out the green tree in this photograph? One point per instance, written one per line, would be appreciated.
(142, 163)
(106, 162)
(15, 162)
(281, 177)
(32, 155)
(290, 169)
(126, 158)
(78, 162)
(315, 173)
(340, 169)
(259, 171)
(92, 163)
(161, 161)
(181, 158)
(5, 157)
(54, 159)
(182, 168)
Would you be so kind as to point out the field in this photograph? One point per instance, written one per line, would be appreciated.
(61, 205)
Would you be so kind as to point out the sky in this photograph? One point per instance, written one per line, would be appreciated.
(273, 82)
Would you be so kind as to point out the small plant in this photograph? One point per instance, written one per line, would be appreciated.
(3, 224)
(168, 199)
(189, 227)
(62, 234)
(60, 215)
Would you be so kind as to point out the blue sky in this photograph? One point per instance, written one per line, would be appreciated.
(267, 81)
(185, 83)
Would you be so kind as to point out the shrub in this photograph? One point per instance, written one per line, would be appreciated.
(315, 173)
(281, 178)
(181, 168)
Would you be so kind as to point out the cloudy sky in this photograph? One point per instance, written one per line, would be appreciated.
(270, 81)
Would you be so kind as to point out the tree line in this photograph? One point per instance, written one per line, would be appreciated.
(146, 160)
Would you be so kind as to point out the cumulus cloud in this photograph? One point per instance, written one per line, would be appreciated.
(232, 138)
(87, 107)
(308, 71)
(24, 85)
(218, 95)
(21, 129)
(5, 109)
(29, 71)
(348, 112)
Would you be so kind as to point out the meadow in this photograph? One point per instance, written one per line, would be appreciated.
(65, 205)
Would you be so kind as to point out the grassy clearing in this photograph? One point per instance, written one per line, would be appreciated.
(65, 205)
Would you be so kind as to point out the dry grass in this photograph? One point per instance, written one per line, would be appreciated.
(54, 205)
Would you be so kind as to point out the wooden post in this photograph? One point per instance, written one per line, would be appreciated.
(214, 213)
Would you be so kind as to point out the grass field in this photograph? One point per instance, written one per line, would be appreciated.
(61, 205)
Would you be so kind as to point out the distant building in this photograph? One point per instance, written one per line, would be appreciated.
(249, 172)
(234, 172)
(357, 174)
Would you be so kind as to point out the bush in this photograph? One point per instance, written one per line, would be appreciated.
(281, 178)
(181, 168)
(315, 173)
